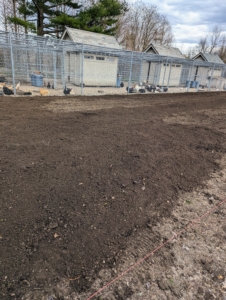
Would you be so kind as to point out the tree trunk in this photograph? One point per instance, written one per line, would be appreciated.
(14, 14)
(25, 17)
(5, 17)
(40, 21)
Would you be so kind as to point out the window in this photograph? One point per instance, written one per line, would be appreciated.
(177, 66)
(100, 58)
(88, 57)
(166, 65)
(110, 59)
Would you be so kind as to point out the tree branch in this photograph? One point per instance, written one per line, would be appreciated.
(36, 4)
(65, 2)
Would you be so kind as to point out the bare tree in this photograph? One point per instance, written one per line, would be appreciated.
(190, 52)
(211, 42)
(203, 45)
(215, 38)
(9, 8)
(222, 48)
(5, 11)
(141, 25)
(214, 43)
(164, 32)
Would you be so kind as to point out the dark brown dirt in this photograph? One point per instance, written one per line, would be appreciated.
(75, 186)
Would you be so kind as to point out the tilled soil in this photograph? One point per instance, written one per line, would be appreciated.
(82, 178)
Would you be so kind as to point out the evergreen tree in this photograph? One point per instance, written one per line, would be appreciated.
(101, 17)
(51, 17)
(37, 14)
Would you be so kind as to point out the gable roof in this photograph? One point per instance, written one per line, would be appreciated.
(164, 50)
(91, 38)
(212, 58)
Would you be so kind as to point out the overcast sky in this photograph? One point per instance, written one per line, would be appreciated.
(192, 19)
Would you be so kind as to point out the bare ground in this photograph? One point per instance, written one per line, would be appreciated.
(99, 91)
(90, 186)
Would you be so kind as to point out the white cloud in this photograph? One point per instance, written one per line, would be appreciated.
(189, 34)
(192, 19)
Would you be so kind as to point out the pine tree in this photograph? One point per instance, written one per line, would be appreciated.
(101, 17)
(51, 17)
(37, 14)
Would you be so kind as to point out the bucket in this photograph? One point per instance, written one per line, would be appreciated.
(32, 79)
(188, 83)
(193, 84)
(118, 83)
(36, 80)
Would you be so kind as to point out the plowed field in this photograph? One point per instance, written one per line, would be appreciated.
(82, 179)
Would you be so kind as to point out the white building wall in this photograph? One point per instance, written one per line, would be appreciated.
(202, 75)
(72, 67)
(217, 72)
(174, 73)
(67, 64)
(144, 72)
(100, 72)
(154, 73)
(164, 74)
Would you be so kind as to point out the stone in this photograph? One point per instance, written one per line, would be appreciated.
(200, 290)
(162, 285)
(53, 225)
(208, 296)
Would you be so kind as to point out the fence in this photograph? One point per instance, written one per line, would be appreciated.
(86, 68)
